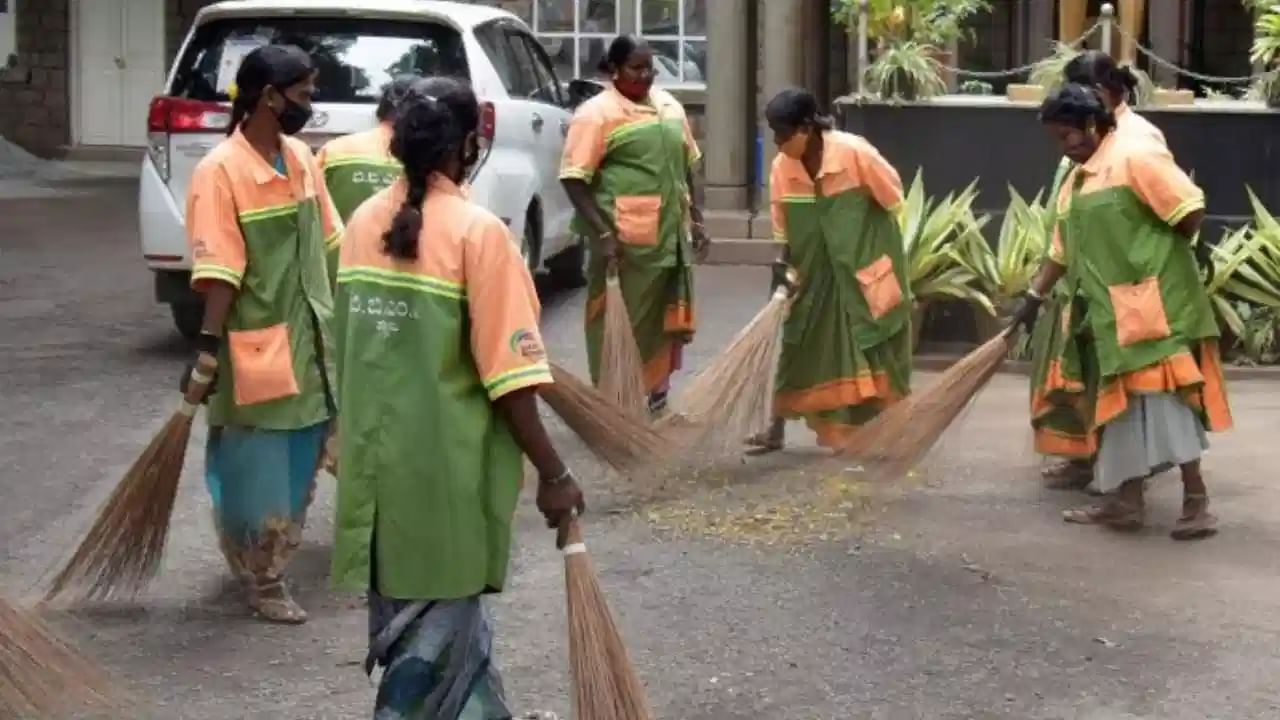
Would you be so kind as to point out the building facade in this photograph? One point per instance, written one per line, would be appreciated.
(82, 71)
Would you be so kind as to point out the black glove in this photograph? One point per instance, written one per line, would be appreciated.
(1027, 312)
(1204, 258)
(205, 344)
(778, 276)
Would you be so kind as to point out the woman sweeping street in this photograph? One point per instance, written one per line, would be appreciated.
(846, 351)
(258, 221)
(440, 358)
(628, 169)
(1064, 367)
(1127, 221)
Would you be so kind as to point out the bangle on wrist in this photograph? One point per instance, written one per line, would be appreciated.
(1031, 292)
(558, 479)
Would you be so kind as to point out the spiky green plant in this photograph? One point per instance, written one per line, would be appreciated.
(939, 241)
(906, 71)
(1049, 72)
(1006, 274)
(1266, 36)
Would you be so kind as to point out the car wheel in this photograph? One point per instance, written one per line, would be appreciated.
(531, 241)
(569, 268)
(187, 318)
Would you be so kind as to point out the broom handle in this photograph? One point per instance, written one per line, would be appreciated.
(569, 536)
(201, 378)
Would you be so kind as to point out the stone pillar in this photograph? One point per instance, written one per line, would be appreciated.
(34, 96)
(1133, 22)
(817, 48)
(1072, 17)
(783, 44)
(729, 149)
(1165, 29)
(1040, 33)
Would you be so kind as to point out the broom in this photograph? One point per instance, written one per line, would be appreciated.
(732, 397)
(896, 440)
(41, 675)
(605, 684)
(621, 369)
(618, 438)
(123, 548)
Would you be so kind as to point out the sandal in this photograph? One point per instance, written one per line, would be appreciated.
(763, 444)
(272, 602)
(1113, 514)
(1196, 522)
(657, 403)
(1068, 475)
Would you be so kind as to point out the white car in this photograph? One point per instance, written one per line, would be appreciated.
(359, 45)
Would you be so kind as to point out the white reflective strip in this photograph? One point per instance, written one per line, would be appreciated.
(188, 409)
(575, 549)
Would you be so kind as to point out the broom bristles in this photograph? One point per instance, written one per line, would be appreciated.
(616, 437)
(41, 675)
(732, 397)
(605, 683)
(621, 368)
(122, 551)
(896, 440)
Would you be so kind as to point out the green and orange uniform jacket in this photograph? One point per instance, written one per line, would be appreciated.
(1151, 321)
(266, 234)
(1064, 375)
(846, 352)
(428, 471)
(637, 158)
(356, 167)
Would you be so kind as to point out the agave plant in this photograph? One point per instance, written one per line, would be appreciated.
(941, 239)
(1007, 273)
(1256, 279)
(1266, 36)
(906, 71)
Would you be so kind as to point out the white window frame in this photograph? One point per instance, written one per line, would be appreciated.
(576, 36)
(680, 39)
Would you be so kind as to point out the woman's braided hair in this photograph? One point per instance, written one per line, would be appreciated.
(432, 123)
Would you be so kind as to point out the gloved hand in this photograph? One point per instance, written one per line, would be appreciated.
(1204, 258)
(782, 275)
(1027, 312)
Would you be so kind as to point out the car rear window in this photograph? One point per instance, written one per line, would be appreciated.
(355, 58)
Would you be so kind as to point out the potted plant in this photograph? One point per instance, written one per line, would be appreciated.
(937, 236)
(1266, 52)
(906, 71)
(909, 28)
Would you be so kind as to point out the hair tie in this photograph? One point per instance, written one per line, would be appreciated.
(233, 91)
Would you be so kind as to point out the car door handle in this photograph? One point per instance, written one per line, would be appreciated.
(564, 128)
(537, 123)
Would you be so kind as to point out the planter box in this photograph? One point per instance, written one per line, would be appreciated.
(1173, 98)
(1020, 93)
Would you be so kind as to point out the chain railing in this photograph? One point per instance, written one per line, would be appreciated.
(1105, 24)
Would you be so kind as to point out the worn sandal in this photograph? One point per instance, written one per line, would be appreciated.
(1114, 515)
(1196, 522)
(763, 444)
(272, 602)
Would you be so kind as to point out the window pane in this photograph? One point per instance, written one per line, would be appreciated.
(560, 50)
(598, 16)
(548, 90)
(666, 61)
(593, 50)
(555, 16)
(695, 61)
(522, 9)
(659, 17)
(695, 17)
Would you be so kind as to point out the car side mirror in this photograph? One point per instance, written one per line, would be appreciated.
(582, 90)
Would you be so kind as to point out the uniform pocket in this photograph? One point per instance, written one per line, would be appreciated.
(262, 364)
(880, 287)
(637, 218)
(1139, 312)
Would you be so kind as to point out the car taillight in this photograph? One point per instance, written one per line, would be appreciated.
(488, 122)
(171, 116)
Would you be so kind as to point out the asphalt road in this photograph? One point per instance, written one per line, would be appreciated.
(759, 592)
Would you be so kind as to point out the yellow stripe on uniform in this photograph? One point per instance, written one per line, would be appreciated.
(1187, 207)
(576, 174)
(800, 199)
(632, 127)
(402, 280)
(333, 240)
(268, 213)
(216, 272)
(539, 374)
(379, 162)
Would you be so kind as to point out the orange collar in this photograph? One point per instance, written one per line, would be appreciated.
(263, 173)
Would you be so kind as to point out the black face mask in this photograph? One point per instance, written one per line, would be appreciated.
(293, 117)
